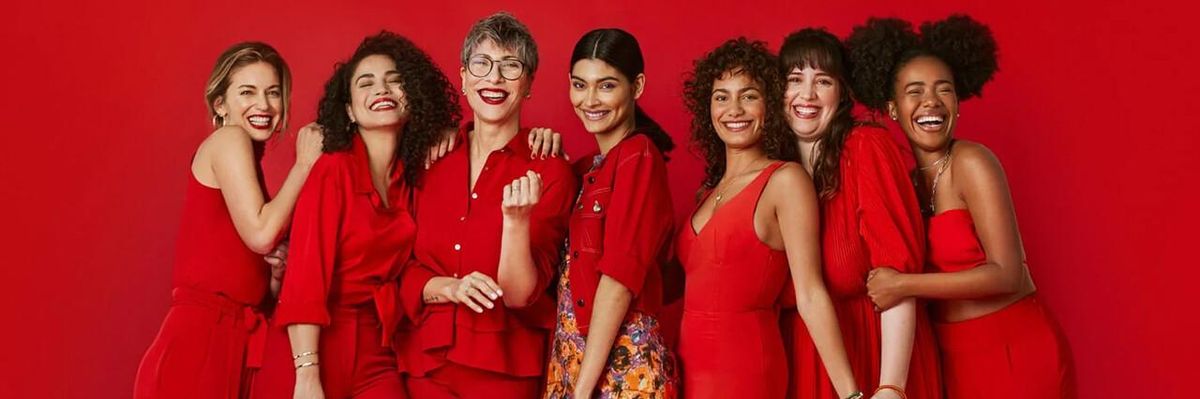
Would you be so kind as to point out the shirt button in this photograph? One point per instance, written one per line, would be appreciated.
(575, 254)
(455, 275)
(457, 247)
(591, 179)
(462, 218)
(579, 302)
(474, 196)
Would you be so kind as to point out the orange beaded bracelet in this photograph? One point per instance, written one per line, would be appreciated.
(898, 390)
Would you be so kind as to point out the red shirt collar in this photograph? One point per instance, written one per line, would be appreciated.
(517, 146)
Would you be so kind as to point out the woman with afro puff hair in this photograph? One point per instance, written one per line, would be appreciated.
(869, 220)
(756, 222)
(338, 309)
(997, 339)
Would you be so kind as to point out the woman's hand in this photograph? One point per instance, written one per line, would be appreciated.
(520, 196)
(441, 148)
(309, 142)
(885, 288)
(476, 290)
(278, 261)
(544, 142)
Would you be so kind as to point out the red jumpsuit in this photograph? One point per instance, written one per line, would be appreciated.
(213, 330)
(872, 221)
(729, 342)
(449, 350)
(347, 249)
(1015, 352)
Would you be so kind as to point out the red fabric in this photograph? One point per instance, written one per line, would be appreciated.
(1018, 351)
(460, 234)
(872, 221)
(729, 344)
(621, 226)
(347, 245)
(452, 381)
(352, 363)
(347, 248)
(204, 344)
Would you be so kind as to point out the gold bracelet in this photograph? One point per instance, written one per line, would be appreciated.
(297, 357)
(897, 389)
(855, 395)
(308, 364)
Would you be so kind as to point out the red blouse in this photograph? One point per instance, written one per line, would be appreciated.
(621, 226)
(347, 246)
(460, 234)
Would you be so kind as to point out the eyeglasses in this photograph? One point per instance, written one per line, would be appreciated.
(481, 66)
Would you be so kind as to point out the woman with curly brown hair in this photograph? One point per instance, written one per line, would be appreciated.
(997, 339)
(493, 220)
(755, 224)
(353, 230)
(213, 332)
(869, 220)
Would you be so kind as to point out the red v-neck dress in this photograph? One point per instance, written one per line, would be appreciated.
(729, 344)
(873, 221)
(1015, 352)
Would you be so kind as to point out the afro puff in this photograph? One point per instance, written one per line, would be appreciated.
(879, 48)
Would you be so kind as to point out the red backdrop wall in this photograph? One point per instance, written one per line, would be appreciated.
(102, 110)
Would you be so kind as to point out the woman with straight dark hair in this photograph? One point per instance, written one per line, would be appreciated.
(608, 342)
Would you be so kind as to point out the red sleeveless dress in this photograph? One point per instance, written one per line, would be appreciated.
(872, 221)
(1016, 352)
(729, 343)
(213, 329)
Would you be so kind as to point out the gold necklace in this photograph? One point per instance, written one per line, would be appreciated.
(721, 192)
(942, 165)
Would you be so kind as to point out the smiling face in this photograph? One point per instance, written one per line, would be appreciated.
(603, 97)
(738, 109)
(377, 96)
(811, 100)
(254, 100)
(925, 103)
(493, 97)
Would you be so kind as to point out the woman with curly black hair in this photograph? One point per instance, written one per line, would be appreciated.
(755, 223)
(493, 220)
(353, 231)
(869, 220)
(997, 339)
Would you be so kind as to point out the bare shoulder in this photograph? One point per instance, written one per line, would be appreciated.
(972, 158)
(788, 180)
(228, 138)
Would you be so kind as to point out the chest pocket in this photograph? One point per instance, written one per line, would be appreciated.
(590, 215)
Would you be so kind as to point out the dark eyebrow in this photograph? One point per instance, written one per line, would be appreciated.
(942, 81)
(248, 86)
(914, 84)
(598, 80)
(365, 75)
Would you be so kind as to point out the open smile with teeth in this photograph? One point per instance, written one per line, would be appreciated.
(493, 96)
(383, 104)
(806, 111)
(930, 122)
(595, 115)
(260, 121)
(736, 125)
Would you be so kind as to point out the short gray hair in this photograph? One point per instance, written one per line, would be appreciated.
(507, 32)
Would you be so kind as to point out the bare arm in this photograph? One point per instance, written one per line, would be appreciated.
(898, 326)
(258, 223)
(799, 226)
(608, 311)
(304, 339)
(517, 273)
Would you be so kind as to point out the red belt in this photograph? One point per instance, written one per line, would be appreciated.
(386, 298)
(246, 315)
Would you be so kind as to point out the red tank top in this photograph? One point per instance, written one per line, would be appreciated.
(210, 255)
(953, 242)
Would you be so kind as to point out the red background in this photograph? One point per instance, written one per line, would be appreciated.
(102, 110)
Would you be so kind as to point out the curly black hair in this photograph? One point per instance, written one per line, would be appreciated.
(431, 100)
(882, 46)
(819, 49)
(751, 58)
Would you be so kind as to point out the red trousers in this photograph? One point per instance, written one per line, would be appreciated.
(453, 381)
(1016, 352)
(202, 349)
(353, 362)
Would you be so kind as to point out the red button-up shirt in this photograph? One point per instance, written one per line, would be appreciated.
(621, 226)
(460, 231)
(347, 246)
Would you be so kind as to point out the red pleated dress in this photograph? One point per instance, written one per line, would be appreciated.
(1016, 352)
(729, 342)
(872, 221)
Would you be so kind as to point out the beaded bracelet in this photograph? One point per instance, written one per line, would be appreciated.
(898, 390)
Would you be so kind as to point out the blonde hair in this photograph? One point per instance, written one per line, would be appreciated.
(240, 55)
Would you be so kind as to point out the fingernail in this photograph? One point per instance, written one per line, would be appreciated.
(499, 292)
(489, 305)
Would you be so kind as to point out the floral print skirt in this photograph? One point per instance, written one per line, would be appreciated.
(640, 366)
